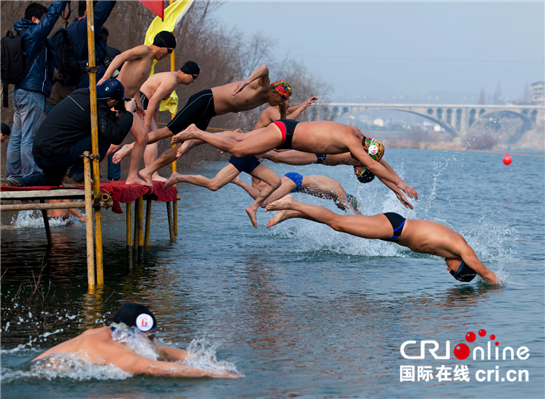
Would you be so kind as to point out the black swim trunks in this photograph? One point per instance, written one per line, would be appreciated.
(144, 101)
(287, 127)
(244, 164)
(320, 158)
(199, 109)
(397, 221)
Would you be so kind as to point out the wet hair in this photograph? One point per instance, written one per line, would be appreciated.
(104, 33)
(82, 6)
(6, 131)
(35, 10)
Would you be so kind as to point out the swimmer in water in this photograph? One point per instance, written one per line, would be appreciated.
(421, 236)
(100, 347)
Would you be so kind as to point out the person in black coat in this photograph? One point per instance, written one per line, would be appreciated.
(66, 133)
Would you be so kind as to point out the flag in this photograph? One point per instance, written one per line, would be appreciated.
(155, 6)
(173, 15)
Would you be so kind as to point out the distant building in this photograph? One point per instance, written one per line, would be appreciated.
(538, 94)
(378, 122)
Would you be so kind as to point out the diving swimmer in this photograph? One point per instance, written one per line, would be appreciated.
(421, 236)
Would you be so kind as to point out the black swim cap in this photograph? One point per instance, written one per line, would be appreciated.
(366, 176)
(165, 39)
(464, 273)
(191, 68)
(135, 315)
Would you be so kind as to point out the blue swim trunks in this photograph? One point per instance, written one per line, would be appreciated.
(244, 164)
(297, 179)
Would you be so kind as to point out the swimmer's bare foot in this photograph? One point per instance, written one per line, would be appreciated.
(146, 175)
(137, 180)
(252, 214)
(172, 180)
(122, 153)
(157, 177)
(280, 204)
(280, 217)
(185, 134)
(183, 149)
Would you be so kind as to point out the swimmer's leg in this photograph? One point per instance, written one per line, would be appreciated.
(264, 173)
(223, 177)
(166, 158)
(267, 139)
(141, 139)
(372, 227)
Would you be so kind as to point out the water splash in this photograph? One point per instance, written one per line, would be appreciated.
(137, 342)
(34, 220)
(201, 354)
(65, 365)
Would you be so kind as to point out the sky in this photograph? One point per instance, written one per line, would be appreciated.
(405, 51)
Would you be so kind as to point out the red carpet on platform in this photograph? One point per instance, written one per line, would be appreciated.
(120, 191)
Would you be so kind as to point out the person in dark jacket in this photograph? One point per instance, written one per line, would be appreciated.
(114, 169)
(77, 32)
(66, 133)
(29, 95)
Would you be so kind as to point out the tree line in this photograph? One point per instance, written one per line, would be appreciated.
(224, 54)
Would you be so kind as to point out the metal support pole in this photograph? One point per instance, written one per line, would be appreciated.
(47, 227)
(94, 137)
(140, 229)
(148, 221)
(136, 220)
(89, 221)
(170, 227)
(129, 235)
(175, 217)
(175, 210)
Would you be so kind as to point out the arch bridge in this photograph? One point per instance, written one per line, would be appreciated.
(455, 119)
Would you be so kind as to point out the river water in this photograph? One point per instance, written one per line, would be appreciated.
(299, 309)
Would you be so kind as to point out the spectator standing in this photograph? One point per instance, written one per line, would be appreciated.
(30, 94)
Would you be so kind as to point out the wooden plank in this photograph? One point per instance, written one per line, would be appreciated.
(34, 207)
(43, 194)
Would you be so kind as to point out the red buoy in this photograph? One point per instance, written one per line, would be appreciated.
(507, 159)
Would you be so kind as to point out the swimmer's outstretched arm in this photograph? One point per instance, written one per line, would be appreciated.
(377, 168)
(399, 194)
(140, 365)
(470, 258)
(169, 353)
(290, 157)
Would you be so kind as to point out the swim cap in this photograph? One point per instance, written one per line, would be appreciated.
(283, 88)
(353, 200)
(366, 176)
(464, 273)
(165, 39)
(135, 315)
(375, 148)
(191, 68)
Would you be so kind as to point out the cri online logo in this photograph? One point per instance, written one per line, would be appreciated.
(462, 351)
